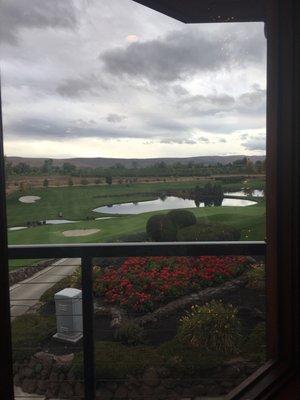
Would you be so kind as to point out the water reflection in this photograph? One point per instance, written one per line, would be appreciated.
(168, 203)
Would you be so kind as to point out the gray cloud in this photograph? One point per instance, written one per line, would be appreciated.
(256, 142)
(203, 140)
(180, 90)
(18, 14)
(253, 102)
(39, 128)
(182, 53)
(81, 86)
(162, 124)
(115, 118)
(178, 141)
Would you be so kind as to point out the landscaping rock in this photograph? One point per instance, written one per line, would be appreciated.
(46, 359)
(103, 394)
(52, 390)
(151, 378)
(65, 391)
(121, 392)
(21, 274)
(53, 377)
(17, 380)
(79, 389)
(42, 386)
(147, 392)
(169, 383)
(160, 393)
(199, 390)
(27, 372)
(64, 360)
(29, 385)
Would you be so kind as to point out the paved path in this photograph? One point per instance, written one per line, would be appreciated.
(25, 295)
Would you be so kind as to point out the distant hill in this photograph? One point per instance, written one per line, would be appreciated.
(129, 162)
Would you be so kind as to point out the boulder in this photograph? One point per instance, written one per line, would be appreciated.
(29, 385)
(103, 394)
(65, 390)
(65, 359)
(151, 377)
(121, 392)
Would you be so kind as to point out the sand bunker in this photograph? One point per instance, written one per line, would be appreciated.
(29, 199)
(80, 232)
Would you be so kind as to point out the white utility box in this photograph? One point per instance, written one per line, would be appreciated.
(68, 307)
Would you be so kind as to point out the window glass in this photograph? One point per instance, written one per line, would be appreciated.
(116, 116)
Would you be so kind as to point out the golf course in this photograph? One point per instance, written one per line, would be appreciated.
(75, 206)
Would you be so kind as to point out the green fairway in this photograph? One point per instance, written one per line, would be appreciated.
(250, 220)
(77, 202)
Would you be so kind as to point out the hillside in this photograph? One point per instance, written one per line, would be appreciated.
(129, 162)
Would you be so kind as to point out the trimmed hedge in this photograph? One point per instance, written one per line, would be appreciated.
(182, 218)
(160, 228)
(208, 232)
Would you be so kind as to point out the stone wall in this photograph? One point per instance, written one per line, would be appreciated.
(51, 376)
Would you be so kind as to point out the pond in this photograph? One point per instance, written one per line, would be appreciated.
(245, 193)
(169, 203)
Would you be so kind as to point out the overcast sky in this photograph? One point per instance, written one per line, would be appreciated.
(99, 78)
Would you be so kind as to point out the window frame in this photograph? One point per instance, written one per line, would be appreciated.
(282, 216)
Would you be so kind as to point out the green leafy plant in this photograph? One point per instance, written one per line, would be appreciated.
(256, 344)
(213, 326)
(182, 218)
(130, 333)
(161, 228)
(29, 332)
(116, 361)
(256, 277)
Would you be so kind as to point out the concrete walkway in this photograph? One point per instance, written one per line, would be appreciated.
(26, 294)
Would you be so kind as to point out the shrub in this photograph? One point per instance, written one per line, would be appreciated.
(130, 333)
(185, 360)
(84, 182)
(161, 228)
(256, 344)
(230, 179)
(109, 180)
(48, 296)
(256, 277)
(134, 237)
(213, 326)
(117, 361)
(208, 232)
(182, 218)
(28, 334)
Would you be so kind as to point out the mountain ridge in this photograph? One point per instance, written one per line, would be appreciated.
(95, 162)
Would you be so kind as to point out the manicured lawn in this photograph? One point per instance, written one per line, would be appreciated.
(250, 220)
(15, 264)
(77, 203)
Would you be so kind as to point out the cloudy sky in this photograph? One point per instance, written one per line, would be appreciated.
(99, 78)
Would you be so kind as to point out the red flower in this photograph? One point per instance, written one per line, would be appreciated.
(141, 283)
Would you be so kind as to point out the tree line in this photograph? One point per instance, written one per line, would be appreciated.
(160, 169)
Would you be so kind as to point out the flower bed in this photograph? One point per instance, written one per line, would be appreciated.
(141, 284)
